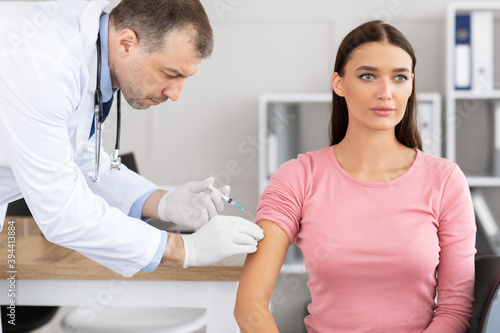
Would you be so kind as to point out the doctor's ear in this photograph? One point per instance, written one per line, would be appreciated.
(127, 40)
(337, 84)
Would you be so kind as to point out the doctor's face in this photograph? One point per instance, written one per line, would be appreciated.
(152, 78)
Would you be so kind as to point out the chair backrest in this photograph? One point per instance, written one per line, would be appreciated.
(485, 288)
(129, 160)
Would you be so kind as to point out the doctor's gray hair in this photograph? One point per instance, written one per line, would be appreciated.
(153, 20)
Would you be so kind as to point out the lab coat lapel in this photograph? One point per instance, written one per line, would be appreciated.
(85, 111)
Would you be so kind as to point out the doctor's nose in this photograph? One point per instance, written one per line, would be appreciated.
(174, 88)
(384, 89)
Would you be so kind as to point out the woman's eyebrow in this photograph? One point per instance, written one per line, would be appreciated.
(401, 70)
(375, 69)
(367, 68)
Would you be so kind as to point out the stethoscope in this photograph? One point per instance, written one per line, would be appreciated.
(99, 119)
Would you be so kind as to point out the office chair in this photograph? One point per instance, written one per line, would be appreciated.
(28, 318)
(129, 160)
(486, 286)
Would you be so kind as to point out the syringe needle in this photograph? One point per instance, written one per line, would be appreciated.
(253, 218)
(229, 200)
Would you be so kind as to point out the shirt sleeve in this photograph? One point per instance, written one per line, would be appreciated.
(158, 255)
(136, 209)
(455, 272)
(282, 201)
(136, 212)
(120, 188)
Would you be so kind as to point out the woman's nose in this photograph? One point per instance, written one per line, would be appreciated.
(384, 91)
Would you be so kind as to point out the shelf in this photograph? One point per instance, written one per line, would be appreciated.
(482, 181)
(482, 95)
(474, 5)
(293, 268)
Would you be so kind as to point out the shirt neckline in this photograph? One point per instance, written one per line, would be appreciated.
(106, 84)
(391, 182)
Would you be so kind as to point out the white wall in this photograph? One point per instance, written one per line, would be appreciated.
(263, 46)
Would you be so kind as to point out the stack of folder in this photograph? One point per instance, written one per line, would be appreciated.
(474, 66)
(474, 52)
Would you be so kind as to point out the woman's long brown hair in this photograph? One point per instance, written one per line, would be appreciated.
(374, 31)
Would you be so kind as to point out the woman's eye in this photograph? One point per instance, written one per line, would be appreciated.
(367, 76)
(401, 78)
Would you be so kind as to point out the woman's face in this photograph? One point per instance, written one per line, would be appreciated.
(376, 85)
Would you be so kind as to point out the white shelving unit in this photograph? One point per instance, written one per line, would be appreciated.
(456, 98)
(464, 95)
(479, 181)
(264, 102)
(453, 95)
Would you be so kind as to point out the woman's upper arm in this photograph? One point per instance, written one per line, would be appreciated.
(262, 268)
(279, 214)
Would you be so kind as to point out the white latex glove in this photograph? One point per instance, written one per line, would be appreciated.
(190, 206)
(221, 237)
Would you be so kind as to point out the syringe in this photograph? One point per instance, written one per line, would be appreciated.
(229, 200)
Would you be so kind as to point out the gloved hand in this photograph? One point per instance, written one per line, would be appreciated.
(221, 237)
(190, 206)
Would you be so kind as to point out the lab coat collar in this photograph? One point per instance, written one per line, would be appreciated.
(106, 86)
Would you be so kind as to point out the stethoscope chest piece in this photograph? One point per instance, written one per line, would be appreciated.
(116, 161)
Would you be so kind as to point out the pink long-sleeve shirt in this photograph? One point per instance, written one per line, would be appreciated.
(372, 250)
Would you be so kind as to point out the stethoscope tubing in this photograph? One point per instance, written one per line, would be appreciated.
(99, 119)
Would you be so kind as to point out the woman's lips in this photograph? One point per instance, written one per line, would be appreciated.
(382, 110)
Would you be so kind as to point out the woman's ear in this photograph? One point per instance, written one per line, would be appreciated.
(337, 84)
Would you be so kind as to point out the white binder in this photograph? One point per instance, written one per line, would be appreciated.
(481, 23)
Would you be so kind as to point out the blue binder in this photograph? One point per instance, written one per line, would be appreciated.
(463, 54)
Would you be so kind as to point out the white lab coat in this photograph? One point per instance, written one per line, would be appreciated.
(47, 83)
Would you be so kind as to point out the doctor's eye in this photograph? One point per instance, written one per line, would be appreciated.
(170, 76)
(367, 76)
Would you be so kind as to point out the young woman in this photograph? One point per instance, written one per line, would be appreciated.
(381, 224)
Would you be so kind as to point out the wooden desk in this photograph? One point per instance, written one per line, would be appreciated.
(48, 274)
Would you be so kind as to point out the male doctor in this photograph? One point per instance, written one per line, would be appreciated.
(48, 77)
